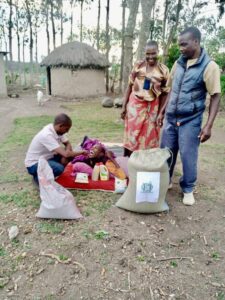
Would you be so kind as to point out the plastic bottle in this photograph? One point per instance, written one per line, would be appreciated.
(104, 173)
(96, 172)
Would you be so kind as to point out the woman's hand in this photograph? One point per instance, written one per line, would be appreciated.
(123, 113)
(159, 120)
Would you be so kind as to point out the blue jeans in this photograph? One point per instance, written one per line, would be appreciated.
(54, 163)
(183, 138)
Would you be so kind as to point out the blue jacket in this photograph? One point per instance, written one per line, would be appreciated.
(188, 93)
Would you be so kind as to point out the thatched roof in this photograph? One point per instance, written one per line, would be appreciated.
(75, 55)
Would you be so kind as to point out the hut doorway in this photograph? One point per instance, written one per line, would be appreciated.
(49, 80)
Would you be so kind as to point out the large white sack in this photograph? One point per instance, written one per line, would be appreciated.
(148, 182)
(56, 201)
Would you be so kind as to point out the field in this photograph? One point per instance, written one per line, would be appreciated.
(112, 253)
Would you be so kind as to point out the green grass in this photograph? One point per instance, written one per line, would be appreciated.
(22, 198)
(50, 227)
(2, 252)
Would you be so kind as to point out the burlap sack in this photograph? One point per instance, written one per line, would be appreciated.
(152, 162)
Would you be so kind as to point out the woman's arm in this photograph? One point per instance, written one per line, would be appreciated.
(125, 101)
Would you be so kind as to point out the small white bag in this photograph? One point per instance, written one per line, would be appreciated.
(56, 201)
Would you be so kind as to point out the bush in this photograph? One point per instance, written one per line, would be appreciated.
(222, 102)
(173, 55)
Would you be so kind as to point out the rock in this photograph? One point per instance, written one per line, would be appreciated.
(107, 102)
(118, 102)
(13, 232)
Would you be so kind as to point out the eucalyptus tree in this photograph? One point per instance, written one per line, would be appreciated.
(10, 28)
(107, 42)
(82, 2)
(173, 17)
(98, 24)
(129, 37)
(146, 9)
(3, 28)
(124, 5)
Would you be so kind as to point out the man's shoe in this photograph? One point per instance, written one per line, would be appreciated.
(188, 199)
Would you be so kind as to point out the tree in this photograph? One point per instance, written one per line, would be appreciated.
(10, 28)
(107, 43)
(98, 23)
(124, 5)
(147, 6)
(52, 15)
(29, 8)
(173, 30)
(81, 16)
(221, 7)
(129, 37)
(3, 27)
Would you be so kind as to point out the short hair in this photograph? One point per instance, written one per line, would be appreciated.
(194, 31)
(62, 119)
(152, 43)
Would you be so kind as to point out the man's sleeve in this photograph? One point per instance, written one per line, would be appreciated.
(212, 78)
(50, 142)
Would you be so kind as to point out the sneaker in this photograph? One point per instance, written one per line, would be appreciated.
(170, 186)
(188, 199)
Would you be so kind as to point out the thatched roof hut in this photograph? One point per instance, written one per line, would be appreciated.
(75, 70)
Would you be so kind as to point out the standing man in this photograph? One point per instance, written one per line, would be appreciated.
(193, 75)
(51, 143)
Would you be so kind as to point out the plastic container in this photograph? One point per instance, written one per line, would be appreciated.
(96, 172)
(104, 172)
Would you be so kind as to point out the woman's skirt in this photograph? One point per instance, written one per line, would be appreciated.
(141, 131)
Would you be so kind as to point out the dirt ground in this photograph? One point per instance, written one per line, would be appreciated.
(115, 254)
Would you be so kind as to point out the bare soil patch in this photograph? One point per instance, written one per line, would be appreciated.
(112, 253)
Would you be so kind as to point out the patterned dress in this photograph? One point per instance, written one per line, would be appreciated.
(141, 131)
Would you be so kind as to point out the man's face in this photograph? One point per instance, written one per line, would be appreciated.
(151, 55)
(62, 129)
(188, 45)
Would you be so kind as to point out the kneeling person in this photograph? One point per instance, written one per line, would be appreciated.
(48, 144)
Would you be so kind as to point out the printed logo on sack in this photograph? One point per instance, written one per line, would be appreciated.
(146, 187)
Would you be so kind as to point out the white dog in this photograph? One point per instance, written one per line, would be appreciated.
(41, 99)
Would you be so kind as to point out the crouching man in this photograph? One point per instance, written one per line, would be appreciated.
(51, 143)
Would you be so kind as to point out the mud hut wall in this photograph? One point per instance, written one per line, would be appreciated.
(79, 83)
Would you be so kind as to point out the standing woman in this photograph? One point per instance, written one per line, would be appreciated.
(145, 95)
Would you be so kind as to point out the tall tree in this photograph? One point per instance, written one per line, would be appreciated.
(60, 3)
(107, 43)
(45, 13)
(221, 7)
(147, 6)
(81, 19)
(3, 29)
(18, 18)
(129, 37)
(98, 24)
(29, 5)
(52, 15)
(10, 28)
(71, 19)
(124, 5)
(173, 30)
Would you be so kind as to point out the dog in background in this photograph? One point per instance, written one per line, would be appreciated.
(41, 99)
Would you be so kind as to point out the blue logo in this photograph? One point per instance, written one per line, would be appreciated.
(147, 187)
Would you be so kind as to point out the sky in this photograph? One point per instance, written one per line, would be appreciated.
(90, 20)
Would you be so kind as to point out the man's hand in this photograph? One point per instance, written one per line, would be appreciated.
(159, 120)
(205, 134)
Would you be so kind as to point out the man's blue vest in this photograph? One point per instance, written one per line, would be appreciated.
(188, 93)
